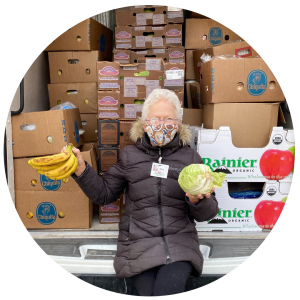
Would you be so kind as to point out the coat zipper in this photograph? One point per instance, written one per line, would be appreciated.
(160, 211)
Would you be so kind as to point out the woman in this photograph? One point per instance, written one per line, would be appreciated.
(158, 244)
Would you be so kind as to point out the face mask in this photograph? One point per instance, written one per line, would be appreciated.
(162, 134)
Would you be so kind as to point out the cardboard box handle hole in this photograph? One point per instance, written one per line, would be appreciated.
(239, 86)
(29, 215)
(58, 102)
(226, 37)
(73, 61)
(243, 52)
(86, 101)
(78, 38)
(148, 33)
(272, 85)
(84, 123)
(61, 215)
(206, 87)
(204, 38)
(33, 182)
(149, 10)
(72, 92)
(59, 72)
(122, 106)
(49, 139)
(27, 127)
(87, 71)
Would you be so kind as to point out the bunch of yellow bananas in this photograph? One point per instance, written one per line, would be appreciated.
(56, 167)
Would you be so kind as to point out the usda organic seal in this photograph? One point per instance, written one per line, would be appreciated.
(46, 213)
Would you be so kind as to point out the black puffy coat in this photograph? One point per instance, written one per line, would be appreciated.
(155, 228)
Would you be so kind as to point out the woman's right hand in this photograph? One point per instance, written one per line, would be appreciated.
(81, 163)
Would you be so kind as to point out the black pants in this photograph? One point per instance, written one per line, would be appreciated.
(163, 280)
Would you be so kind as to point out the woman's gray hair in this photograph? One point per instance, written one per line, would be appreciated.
(159, 94)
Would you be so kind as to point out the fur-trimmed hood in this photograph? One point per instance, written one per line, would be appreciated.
(137, 132)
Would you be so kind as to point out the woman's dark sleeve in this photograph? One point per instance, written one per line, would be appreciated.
(107, 189)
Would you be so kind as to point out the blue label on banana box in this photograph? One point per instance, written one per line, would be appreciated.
(76, 132)
(256, 82)
(215, 36)
(49, 184)
(46, 213)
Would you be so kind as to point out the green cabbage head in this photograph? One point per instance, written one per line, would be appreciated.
(199, 179)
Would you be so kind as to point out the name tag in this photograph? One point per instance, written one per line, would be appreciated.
(159, 170)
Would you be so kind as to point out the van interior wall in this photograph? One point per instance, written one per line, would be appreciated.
(36, 80)
(37, 77)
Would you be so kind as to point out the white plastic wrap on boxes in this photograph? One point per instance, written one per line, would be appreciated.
(217, 151)
(238, 214)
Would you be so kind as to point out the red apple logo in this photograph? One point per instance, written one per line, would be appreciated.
(267, 213)
(276, 164)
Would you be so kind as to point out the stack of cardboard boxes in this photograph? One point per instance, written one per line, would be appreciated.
(148, 55)
(72, 63)
(40, 201)
(240, 98)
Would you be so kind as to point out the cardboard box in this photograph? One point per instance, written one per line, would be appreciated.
(107, 158)
(110, 213)
(144, 77)
(89, 124)
(131, 107)
(49, 133)
(123, 37)
(240, 48)
(108, 133)
(194, 15)
(175, 15)
(189, 72)
(201, 33)
(188, 96)
(239, 80)
(143, 37)
(108, 75)
(122, 56)
(82, 95)
(180, 95)
(195, 94)
(27, 179)
(174, 76)
(218, 151)
(125, 140)
(87, 35)
(141, 15)
(108, 104)
(192, 117)
(250, 123)
(74, 67)
(241, 214)
(172, 54)
(54, 209)
(45, 203)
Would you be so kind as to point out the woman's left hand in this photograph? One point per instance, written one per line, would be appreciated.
(195, 198)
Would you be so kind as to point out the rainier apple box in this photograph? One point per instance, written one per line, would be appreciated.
(267, 213)
(276, 164)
